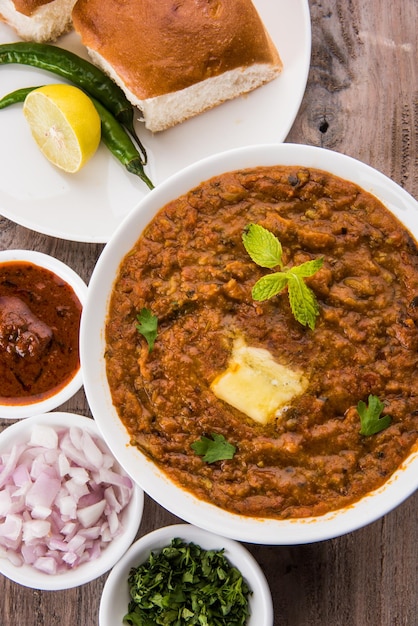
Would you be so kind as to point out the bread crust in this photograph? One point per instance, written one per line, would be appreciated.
(158, 47)
(37, 20)
(29, 7)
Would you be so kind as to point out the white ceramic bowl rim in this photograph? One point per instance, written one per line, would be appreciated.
(115, 596)
(28, 576)
(80, 289)
(183, 504)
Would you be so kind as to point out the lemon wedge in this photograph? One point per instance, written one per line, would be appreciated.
(64, 123)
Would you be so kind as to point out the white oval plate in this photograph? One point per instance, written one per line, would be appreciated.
(183, 504)
(89, 205)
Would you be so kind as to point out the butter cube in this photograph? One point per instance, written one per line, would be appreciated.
(256, 384)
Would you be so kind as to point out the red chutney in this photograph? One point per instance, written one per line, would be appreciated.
(190, 269)
(39, 333)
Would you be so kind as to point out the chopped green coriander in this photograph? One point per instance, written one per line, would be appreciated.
(265, 249)
(147, 327)
(215, 449)
(370, 416)
(185, 585)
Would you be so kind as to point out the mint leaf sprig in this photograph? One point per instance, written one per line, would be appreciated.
(370, 416)
(147, 326)
(265, 249)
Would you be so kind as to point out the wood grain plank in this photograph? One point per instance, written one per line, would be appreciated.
(362, 100)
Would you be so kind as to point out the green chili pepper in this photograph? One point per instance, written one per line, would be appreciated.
(16, 96)
(119, 143)
(80, 72)
(114, 136)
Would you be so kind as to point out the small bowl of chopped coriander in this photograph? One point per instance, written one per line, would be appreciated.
(181, 574)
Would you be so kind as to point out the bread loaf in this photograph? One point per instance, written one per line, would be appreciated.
(177, 58)
(38, 20)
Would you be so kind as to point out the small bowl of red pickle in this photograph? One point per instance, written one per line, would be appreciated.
(41, 300)
(68, 511)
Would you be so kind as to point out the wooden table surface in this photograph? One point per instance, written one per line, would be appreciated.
(362, 100)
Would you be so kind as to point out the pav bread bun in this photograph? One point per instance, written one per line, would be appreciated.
(38, 20)
(177, 58)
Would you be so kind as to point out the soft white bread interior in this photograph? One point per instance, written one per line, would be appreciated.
(38, 20)
(177, 58)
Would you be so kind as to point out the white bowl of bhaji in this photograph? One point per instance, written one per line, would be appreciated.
(185, 572)
(68, 511)
(249, 344)
(41, 300)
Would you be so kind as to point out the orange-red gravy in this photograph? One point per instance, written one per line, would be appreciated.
(191, 270)
(39, 333)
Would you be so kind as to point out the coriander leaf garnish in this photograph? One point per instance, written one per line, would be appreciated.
(262, 246)
(266, 250)
(215, 449)
(147, 327)
(370, 416)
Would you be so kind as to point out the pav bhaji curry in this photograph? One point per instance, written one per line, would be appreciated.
(234, 398)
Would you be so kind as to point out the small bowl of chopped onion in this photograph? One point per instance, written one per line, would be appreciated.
(186, 571)
(68, 511)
